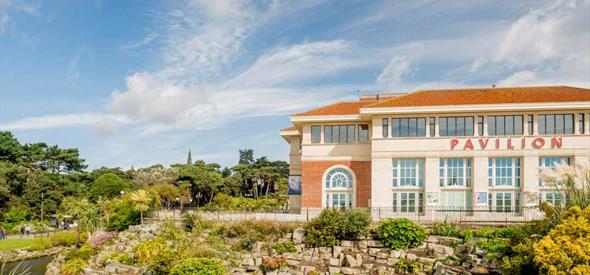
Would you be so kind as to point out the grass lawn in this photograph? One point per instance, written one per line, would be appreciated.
(11, 244)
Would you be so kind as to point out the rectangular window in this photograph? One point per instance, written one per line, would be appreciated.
(431, 126)
(409, 202)
(385, 127)
(455, 171)
(556, 124)
(581, 123)
(456, 126)
(554, 198)
(339, 134)
(409, 127)
(504, 201)
(505, 125)
(531, 125)
(408, 172)
(551, 162)
(480, 125)
(316, 133)
(504, 172)
(363, 133)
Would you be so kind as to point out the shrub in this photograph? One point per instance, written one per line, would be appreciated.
(249, 232)
(84, 253)
(326, 229)
(356, 223)
(225, 202)
(15, 216)
(565, 248)
(408, 267)
(270, 264)
(73, 267)
(65, 238)
(40, 243)
(102, 239)
(155, 255)
(286, 247)
(401, 233)
(193, 222)
(124, 215)
(201, 266)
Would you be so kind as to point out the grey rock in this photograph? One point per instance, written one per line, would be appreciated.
(298, 235)
(348, 271)
(334, 270)
(334, 262)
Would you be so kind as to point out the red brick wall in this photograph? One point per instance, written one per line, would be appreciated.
(312, 173)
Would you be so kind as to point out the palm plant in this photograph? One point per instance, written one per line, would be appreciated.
(85, 213)
(18, 269)
(141, 201)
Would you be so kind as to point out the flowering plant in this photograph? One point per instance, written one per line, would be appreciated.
(573, 181)
(275, 263)
(102, 238)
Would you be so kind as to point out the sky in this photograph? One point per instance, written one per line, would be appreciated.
(135, 83)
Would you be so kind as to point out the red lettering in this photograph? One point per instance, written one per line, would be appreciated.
(497, 143)
(509, 144)
(483, 142)
(538, 143)
(454, 142)
(556, 142)
(468, 144)
(522, 143)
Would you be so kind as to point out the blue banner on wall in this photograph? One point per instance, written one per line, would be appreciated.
(295, 185)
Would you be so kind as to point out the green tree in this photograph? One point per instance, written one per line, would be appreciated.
(10, 148)
(108, 186)
(246, 156)
(141, 201)
(167, 192)
(85, 213)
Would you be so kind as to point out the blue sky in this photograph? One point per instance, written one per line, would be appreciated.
(140, 82)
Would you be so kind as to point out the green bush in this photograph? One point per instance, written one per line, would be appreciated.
(326, 229)
(124, 215)
(201, 266)
(356, 223)
(401, 233)
(225, 202)
(332, 226)
(73, 266)
(193, 222)
(407, 267)
(40, 243)
(15, 216)
(84, 253)
(286, 247)
(155, 255)
(65, 238)
(249, 232)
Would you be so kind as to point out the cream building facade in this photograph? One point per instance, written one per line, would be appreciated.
(469, 150)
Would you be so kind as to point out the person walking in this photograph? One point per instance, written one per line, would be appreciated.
(22, 231)
(2, 233)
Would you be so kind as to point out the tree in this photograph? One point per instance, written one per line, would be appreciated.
(246, 156)
(43, 194)
(141, 201)
(167, 192)
(53, 158)
(108, 186)
(10, 148)
(85, 214)
(153, 175)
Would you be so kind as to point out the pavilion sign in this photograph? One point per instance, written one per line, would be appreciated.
(506, 143)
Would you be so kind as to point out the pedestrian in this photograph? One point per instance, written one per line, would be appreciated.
(2, 233)
(22, 231)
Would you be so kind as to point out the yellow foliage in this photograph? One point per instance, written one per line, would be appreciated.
(566, 249)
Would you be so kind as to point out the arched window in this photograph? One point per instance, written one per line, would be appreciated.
(339, 191)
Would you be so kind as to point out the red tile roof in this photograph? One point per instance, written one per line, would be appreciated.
(488, 96)
(339, 108)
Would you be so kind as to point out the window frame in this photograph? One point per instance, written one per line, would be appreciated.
(449, 126)
(506, 125)
(385, 127)
(400, 127)
(465, 171)
(514, 178)
(400, 171)
(319, 134)
(548, 124)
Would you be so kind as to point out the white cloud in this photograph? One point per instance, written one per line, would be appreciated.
(54, 121)
(297, 63)
(393, 74)
(73, 72)
(521, 78)
(11, 6)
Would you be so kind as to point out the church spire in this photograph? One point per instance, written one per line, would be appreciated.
(189, 161)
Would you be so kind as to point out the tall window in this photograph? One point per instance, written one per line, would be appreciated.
(385, 127)
(455, 172)
(315, 133)
(556, 124)
(504, 172)
(581, 123)
(531, 125)
(480, 125)
(504, 125)
(551, 162)
(408, 172)
(432, 126)
(408, 202)
(363, 133)
(503, 201)
(554, 198)
(455, 126)
(408, 127)
(339, 188)
(339, 133)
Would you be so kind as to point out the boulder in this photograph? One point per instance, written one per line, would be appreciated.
(479, 270)
(298, 235)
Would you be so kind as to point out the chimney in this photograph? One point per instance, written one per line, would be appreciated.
(493, 85)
